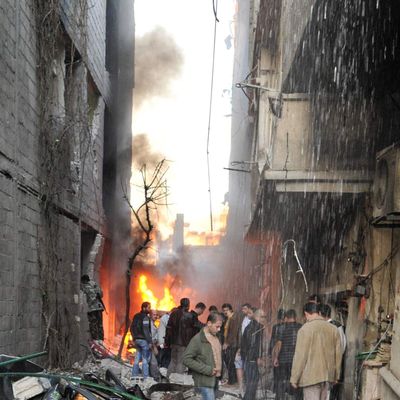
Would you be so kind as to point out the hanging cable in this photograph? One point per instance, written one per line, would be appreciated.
(215, 10)
(300, 268)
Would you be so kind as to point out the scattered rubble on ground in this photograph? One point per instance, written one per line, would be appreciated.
(107, 378)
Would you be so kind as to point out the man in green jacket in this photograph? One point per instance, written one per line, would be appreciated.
(203, 357)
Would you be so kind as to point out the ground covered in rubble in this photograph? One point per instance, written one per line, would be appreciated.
(179, 386)
(106, 378)
(182, 383)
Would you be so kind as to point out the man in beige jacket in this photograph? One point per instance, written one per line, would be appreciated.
(318, 355)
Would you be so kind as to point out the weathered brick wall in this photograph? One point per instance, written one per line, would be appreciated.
(91, 44)
(22, 329)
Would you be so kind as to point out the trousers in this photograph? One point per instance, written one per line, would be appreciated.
(251, 376)
(95, 319)
(143, 354)
(176, 363)
(320, 391)
(229, 360)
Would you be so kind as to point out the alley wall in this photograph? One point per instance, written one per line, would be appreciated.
(51, 186)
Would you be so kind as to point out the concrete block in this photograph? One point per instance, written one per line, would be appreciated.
(29, 387)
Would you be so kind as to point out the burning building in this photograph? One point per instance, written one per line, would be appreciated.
(318, 191)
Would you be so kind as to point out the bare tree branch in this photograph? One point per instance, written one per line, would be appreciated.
(155, 190)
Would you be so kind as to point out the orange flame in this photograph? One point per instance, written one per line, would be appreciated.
(164, 304)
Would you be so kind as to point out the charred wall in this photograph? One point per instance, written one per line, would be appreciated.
(120, 39)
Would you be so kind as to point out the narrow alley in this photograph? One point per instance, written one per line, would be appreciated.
(199, 199)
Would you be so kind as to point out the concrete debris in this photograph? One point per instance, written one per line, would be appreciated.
(191, 394)
(119, 374)
(176, 395)
(29, 387)
(228, 397)
(182, 379)
(167, 396)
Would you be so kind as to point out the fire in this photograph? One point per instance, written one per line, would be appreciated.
(202, 238)
(164, 304)
(208, 238)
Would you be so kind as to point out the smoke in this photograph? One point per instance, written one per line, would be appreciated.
(142, 153)
(158, 61)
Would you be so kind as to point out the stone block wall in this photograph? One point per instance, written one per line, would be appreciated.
(22, 326)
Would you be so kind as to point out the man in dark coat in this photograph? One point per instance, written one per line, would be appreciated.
(177, 336)
(251, 353)
(141, 334)
(193, 325)
(230, 347)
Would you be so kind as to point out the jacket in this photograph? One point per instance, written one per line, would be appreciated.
(251, 347)
(192, 324)
(318, 354)
(179, 330)
(140, 327)
(93, 294)
(199, 358)
(233, 335)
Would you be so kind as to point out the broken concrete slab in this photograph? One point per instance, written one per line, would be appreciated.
(29, 387)
(182, 379)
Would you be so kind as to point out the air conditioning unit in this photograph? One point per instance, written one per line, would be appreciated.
(386, 188)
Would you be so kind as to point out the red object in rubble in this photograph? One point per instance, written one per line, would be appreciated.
(99, 350)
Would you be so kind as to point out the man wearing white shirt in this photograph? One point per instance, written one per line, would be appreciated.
(164, 354)
(326, 312)
(246, 308)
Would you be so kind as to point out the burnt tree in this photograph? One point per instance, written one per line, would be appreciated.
(155, 193)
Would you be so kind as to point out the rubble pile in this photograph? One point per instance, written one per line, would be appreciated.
(107, 378)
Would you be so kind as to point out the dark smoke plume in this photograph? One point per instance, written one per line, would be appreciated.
(158, 60)
(142, 153)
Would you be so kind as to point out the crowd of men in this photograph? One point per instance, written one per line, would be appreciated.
(229, 348)
(307, 358)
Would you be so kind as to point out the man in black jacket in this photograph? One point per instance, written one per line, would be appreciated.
(251, 350)
(141, 334)
(176, 336)
(194, 326)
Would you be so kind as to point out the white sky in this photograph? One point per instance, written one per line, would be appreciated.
(177, 125)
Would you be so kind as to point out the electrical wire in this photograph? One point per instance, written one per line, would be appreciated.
(384, 263)
(215, 10)
(300, 268)
(369, 355)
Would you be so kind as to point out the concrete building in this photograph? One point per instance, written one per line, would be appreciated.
(66, 95)
(322, 89)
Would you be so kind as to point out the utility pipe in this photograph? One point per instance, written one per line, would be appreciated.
(23, 358)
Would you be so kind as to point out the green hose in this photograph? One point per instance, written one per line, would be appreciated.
(22, 358)
(75, 380)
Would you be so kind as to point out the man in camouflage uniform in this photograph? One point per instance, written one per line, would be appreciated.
(95, 307)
